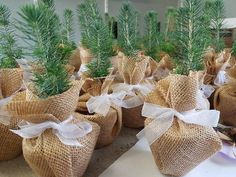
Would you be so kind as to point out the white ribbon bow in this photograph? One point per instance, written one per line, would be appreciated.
(68, 133)
(164, 117)
(101, 104)
(130, 90)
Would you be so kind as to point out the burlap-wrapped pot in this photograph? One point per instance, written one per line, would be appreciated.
(133, 71)
(111, 123)
(225, 100)
(183, 146)
(49, 157)
(10, 145)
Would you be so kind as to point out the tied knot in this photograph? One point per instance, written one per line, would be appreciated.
(163, 119)
(67, 132)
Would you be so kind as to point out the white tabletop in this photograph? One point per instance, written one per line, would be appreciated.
(138, 162)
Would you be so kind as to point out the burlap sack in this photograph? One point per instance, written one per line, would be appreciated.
(183, 146)
(225, 100)
(49, 157)
(10, 144)
(133, 71)
(110, 124)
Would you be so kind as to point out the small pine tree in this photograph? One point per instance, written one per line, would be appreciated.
(97, 37)
(9, 51)
(234, 48)
(170, 18)
(151, 41)
(217, 15)
(67, 44)
(128, 29)
(88, 14)
(40, 26)
(190, 37)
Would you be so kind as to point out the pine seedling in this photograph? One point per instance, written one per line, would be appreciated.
(101, 47)
(67, 45)
(96, 37)
(151, 38)
(217, 15)
(128, 29)
(170, 24)
(9, 50)
(40, 26)
(190, 37)
(88, 14)
(234, 48)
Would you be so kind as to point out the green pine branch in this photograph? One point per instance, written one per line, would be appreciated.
(128, 29)
(217, 14)
(97, 37)
(40, 26)
(88, 14)
(151, 42)
(9, 50)
(190, 37)
(170, 23)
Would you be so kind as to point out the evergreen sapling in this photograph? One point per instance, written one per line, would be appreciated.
(151, 42)
(97, 37)
(40, 26)
(128, 30)
(9, 50)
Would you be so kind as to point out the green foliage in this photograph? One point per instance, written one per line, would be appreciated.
(9, 51)
(101, 48)
(170, 24)
(97, 37)
(88, 14)
(40, 26)
(151, 42)
(128, 29)
(234, 48)
(216, 14)
(190, 37)
(67, 44)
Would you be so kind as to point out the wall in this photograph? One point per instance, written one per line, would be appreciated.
(114, 6)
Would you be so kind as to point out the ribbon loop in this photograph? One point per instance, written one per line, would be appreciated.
(101, 104)
(68, 133)
(163, 119)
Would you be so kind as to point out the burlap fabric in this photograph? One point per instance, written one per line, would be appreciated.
(183, 146)
(61, 106)
(133, 71)
(10, 145)
(110, 124)
(85, 55)
(49, 157)
(225, 100)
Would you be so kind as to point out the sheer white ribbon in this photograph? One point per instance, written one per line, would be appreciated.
(67, 132)
(83, 68)
(101, 104)
(163, 119)
(204, 92)
(135, 100)
(221, 78)
(27, 69)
